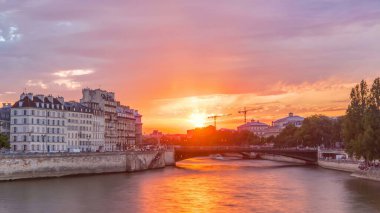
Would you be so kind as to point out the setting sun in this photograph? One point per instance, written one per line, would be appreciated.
(198, 119)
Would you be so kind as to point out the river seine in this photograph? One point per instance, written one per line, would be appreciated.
(198, 185)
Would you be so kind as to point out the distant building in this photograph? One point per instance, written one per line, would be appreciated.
(271, 131)
(291, 119)
(138, 127)
(126, 128)
(5, 117)
(38, 124)
(209, 130)
(256, 127)
(122, 125)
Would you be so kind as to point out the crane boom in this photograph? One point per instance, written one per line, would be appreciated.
(245, 111)
(217, 116)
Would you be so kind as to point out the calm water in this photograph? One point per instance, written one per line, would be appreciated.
(198, 185)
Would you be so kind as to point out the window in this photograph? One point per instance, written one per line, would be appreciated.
(15, 112)
(24, 120)
(24, 112)
(24, 137)
(15, 138)
(14, 129)
(15, 121)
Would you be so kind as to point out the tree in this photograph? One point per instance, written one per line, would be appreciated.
(287, 137)
(361, 128)
(4, 141)
(319, 130)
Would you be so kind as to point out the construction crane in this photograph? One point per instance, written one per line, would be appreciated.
(245, 111)
(217, 116)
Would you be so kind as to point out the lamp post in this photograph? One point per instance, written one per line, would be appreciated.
(88, 143)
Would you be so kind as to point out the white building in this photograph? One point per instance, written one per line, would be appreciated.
(38, 124)
(119, 131)
(80, 128)
(255, 127)
(291, 119)
(104, 101)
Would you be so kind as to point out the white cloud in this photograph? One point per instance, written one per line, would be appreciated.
(76, 72)
(70, 84)
(32, 83)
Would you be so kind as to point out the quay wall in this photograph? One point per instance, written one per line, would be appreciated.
(341, 165)
(14, 167)
(281, 158)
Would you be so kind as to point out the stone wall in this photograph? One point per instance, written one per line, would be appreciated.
(371, 174)
(60, 164)
(281, 158)
(341, 165)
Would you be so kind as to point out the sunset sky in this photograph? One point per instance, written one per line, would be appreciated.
(179, 61)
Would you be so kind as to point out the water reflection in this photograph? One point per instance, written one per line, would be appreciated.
(198, 185)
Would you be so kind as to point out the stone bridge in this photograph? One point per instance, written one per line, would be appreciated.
(185, 152)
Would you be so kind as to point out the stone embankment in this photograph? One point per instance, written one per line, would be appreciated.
(61, 164)
(281, 158)
(370, 174)
(341, 165)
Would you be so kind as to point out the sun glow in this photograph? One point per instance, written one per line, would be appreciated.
(198, 119)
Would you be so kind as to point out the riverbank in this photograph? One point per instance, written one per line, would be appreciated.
(340, 165)
(281, 158)
(14, 167)
(371, 174)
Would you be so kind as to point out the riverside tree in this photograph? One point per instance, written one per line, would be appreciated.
(4, 141)
(361, 127)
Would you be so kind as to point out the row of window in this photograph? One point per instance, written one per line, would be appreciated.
(75, 121)
(78, 115)
(38, 138)
(33, 112)
(39, 130)
(38, 147)
(39, 121)
(79, 128)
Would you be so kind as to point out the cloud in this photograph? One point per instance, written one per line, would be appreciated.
(32, 83)
(75, 72)
(68, 83)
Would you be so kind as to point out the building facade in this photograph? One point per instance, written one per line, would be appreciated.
(80, 128)
(256, 127)
(5, 117)
(291, 119)
(38, 124)
(138, 127)
(123, 125)
(126, 127)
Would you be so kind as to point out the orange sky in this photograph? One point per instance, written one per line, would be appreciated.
(181, 61)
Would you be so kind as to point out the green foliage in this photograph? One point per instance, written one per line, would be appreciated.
(361, 129)
(288, 137)
(4, 141)
(315, 131)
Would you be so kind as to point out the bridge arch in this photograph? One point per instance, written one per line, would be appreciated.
(184, 152)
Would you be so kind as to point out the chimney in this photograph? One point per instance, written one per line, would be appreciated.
(30, 96)
(290, 114)
(22, 96)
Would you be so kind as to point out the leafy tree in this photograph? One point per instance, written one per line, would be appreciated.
(287, 137)
(361, 129)
(4, 141)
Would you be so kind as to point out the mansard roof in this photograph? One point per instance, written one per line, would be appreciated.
(32, 103)
(77, 107)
